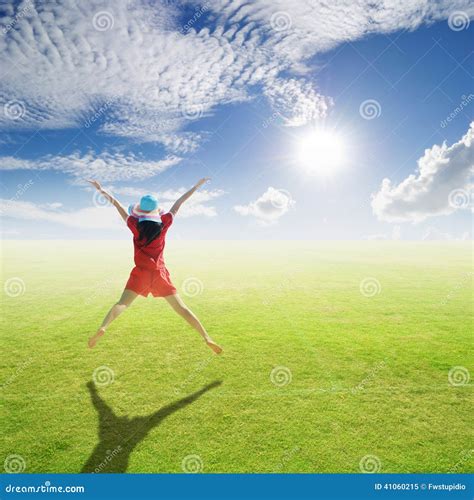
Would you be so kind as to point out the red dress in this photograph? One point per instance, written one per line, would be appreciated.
(150, 274)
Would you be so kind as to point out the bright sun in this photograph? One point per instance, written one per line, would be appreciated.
(320, 152)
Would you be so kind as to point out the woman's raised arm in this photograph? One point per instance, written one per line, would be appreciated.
(121, 210)
(177, 204)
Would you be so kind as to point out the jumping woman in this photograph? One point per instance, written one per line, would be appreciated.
(149, 227)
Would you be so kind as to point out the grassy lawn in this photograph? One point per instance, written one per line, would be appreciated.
(316, 376)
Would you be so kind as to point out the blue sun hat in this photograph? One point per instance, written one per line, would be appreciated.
(147, 209)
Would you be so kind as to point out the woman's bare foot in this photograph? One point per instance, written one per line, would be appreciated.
(216, 348)
(93, 340)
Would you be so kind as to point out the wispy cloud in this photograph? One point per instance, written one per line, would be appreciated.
(442, 185)
(84, 218)
(106, 166)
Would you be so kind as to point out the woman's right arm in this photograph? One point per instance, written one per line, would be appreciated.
(121, 210)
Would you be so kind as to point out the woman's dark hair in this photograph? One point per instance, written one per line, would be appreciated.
(148, 231)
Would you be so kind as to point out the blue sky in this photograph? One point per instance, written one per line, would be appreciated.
(149, 97)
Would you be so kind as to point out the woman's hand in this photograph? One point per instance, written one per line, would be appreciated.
(96, 184)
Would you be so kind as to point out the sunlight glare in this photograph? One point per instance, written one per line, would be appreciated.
(320, 152)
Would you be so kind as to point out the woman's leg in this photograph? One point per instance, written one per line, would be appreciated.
(180, 307)
(128, 296)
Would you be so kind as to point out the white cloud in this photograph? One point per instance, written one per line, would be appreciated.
(139, 70)
(84, 218)
(432, 233)
(442, 184)
(105, 166)
(269, 207)
(197, 205)
(52, 206)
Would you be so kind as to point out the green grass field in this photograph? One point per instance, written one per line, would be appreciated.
(316, 376)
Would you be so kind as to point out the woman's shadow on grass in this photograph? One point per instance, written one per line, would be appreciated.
(118, 436)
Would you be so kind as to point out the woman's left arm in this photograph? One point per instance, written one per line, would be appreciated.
(177, 204)
(121, 210)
